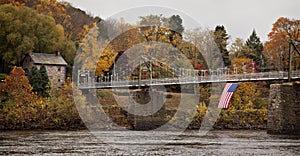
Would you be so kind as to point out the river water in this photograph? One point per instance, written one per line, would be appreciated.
(147, 143)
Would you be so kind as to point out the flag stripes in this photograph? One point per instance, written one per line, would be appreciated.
(227, 95)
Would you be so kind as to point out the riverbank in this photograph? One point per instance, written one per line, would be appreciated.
(62, 114)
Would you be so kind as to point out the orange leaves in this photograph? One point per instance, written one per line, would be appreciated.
(17, 3)
(16, 87)
(242, 65)
(277, 48)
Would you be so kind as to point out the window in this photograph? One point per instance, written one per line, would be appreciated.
(59, 69)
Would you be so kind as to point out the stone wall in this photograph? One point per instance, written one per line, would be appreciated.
(148, 122)
(56, 74)
(284, 109)
(297, 108)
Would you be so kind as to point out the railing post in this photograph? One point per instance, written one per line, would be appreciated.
(140, 73)
(173, 72)
(78, 76)
(150, 67)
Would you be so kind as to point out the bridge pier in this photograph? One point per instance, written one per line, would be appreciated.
(284, 109)
(141, 96)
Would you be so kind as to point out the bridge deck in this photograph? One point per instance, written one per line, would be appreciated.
(261, 76)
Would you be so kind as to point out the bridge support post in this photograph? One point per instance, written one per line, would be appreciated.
(140, 73)
(284, 109)
(290, 60)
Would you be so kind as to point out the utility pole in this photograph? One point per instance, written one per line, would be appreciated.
(290, 60)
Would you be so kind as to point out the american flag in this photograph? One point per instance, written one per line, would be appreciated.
(227, 94)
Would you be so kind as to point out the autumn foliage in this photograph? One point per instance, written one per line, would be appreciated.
(16, 87)
(20, 108)
(277, 48)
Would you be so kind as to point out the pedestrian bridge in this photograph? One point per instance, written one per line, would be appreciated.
(191, 77)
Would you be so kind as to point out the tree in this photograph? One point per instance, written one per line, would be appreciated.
(221, 38)
(44, 81)
(93, 56)
(256, 48)
(238, 49)
(22, 29)
(39, 80)
(162, 29)
(242, 65)
(174, 23)
(276, 49)
(16, 87)
(35, 80)
(54, 9)
(248, 96)
(20, 103)
(207, 53)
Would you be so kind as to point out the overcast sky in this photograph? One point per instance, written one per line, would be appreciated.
(239, 17)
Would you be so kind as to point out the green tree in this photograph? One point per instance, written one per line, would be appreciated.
(174, 23)
(35, 80)
(61, 109)
(22, 29)
(44, 81)
(221, 37)
(39, 80)
(256, 48)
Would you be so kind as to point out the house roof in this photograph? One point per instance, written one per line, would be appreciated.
(42, 58)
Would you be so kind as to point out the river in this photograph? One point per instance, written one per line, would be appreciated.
(147, 143)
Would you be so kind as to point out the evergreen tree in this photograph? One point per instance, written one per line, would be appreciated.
(174, 23)
(256, 48)
(221, 38)
(44, 81)
(35, 80)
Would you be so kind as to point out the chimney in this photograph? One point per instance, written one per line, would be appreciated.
(30, 52)
(57, 53)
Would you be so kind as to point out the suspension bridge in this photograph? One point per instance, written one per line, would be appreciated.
(144, 76)
(147, 71)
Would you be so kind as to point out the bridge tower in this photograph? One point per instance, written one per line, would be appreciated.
(284, 104)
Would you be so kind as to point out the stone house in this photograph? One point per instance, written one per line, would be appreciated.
(54, 63)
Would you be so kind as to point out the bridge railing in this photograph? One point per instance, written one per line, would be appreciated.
(193, 78)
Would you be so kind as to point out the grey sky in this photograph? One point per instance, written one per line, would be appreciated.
(239, 17)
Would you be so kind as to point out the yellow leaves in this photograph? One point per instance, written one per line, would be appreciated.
(27, 109)
(241, 65)
(247, 96)
(105, 61)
